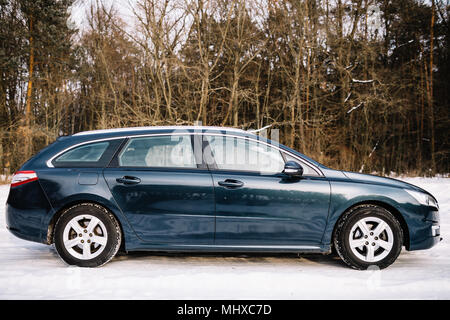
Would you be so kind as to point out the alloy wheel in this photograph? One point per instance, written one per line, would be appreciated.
(371, 239)
(85, 237)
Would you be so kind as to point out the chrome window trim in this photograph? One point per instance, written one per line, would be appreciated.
(314, 167)
(49, 161)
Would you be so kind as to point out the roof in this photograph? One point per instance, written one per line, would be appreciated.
(157, 128)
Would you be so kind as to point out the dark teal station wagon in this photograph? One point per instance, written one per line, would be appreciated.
(209, 189)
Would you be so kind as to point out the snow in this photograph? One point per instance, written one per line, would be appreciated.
(34, 271)
(356, 107)
(363, 81)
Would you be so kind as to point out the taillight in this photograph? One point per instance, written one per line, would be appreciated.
(22, 177)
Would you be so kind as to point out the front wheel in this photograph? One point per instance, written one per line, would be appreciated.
(87, 235)
(368, 235)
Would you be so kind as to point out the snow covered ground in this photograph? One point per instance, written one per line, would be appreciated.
(34, 271)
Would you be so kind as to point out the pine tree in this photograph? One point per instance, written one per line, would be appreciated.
(48, 59)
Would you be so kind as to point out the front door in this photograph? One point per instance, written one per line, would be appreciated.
(164, 192)
(257, 205)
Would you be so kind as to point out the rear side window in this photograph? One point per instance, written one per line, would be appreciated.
(88, 153)
(97, 154)
(160, 151)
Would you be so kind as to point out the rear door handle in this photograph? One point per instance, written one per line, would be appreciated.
(128, 180)
(231, 183)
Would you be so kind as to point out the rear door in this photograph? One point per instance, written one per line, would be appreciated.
(162, 188)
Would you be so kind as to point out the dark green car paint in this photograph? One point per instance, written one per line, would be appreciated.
(187, 210)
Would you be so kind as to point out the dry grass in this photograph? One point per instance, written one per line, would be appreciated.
(4, 179)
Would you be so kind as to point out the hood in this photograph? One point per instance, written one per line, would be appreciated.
(369, 178)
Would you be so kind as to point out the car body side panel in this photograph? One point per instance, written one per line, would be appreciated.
(63, 189)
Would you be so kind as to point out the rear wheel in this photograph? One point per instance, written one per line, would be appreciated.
(87, 235)
(368, 235)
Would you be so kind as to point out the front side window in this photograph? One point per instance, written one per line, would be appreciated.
(232, 153)
(158, 151)
(87, 155)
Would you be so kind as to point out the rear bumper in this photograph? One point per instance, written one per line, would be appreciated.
(26, 210)
(24, 236)
(26, 224)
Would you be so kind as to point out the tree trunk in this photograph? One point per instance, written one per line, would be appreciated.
(430, 89)
(28, 113)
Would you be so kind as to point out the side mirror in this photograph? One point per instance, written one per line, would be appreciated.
(293, 169)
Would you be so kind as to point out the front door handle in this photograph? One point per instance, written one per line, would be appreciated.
(128, 180)
(231, 183)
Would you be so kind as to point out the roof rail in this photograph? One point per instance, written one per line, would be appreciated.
(151, 128)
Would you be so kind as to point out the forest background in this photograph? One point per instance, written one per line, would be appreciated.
(359, 85)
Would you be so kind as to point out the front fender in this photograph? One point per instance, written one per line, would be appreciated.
(347, 194)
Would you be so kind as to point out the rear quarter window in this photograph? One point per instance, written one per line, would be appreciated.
(95, 155)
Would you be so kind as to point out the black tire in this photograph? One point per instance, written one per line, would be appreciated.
(345, 225)
(114, 234)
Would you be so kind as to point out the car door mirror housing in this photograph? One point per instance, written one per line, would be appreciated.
(293, 169)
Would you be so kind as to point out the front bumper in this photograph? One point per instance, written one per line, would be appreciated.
(426, 243)
(428, 233)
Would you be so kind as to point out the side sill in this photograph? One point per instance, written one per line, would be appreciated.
(323, 249)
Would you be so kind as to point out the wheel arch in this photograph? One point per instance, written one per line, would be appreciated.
(60, 211)
(388, 207)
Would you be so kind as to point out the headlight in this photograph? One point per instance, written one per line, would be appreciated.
(423, 198)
